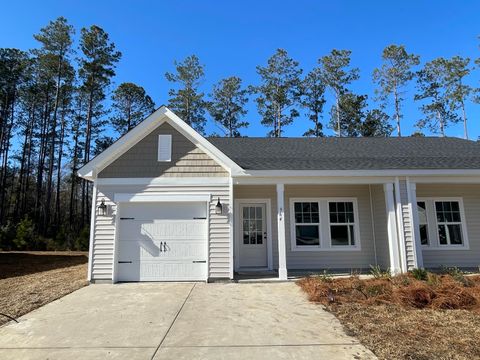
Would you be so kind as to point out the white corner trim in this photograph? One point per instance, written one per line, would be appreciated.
(401, 227)
(92, 231)
(231, 221)
(162, 197)
(413, 212)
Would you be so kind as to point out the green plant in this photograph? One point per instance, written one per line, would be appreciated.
(7, 234)
(325, 276)
(25, 235)
(419, 274)
(378, 273)
(83, 239)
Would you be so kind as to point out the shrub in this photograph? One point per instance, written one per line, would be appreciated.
(82, 241)
(456, 274)
(325, 276)
(419, 274)
(25, 234)
(377, 272)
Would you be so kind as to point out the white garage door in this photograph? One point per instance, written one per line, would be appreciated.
(162, 242)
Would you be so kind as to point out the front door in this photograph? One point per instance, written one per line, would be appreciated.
(253, 236)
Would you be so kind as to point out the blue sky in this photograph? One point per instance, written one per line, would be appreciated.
(232, 37)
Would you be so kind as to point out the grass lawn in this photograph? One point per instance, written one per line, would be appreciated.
(29, 280)
(437, 317)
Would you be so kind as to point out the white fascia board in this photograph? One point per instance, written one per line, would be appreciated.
(206, 146)
(312, 180)
(162, 197)
(359, 173)
(166, 181)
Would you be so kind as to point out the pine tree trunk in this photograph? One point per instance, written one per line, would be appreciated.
(464, 114)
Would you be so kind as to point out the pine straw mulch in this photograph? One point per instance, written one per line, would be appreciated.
(405, 318)
(24, 291)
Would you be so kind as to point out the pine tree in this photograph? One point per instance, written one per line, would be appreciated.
(186, 101)
(131, 104)
(432, 88)
(97, 67)
(349, 113)
(227, 105)
(376, 123)
(393, 76)
(337, 74)
(279, 92)
(313, 99)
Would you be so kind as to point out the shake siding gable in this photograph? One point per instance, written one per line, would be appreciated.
(141, 160)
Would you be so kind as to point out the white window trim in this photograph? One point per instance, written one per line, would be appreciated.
(160, 156)
(324, 231)
(434, 244)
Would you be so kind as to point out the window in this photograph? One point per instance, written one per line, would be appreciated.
(307, 221)
(449, 222)
(423, 222)
(441, 223)
(324, 224)
(165, 148)
(342, 223)
(253, 225)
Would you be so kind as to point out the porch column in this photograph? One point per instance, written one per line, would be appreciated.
(282, 250)
(392, 229)
(412, 199)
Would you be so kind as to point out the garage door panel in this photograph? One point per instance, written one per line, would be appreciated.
(162, 230)
(169, 271)
(139, 250)
(162, 242)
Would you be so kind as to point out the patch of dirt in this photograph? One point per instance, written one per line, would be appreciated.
(20, 294)
(405, 318)
(18, 263)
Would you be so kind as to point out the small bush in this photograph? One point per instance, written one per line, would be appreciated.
(25, 236)
(377, 272)
(325, 276)
(83, 239)
(457, 274)
(419, 274)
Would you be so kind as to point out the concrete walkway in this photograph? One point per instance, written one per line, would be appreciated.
(180, 321)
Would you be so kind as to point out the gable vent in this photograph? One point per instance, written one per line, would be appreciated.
(164, 147)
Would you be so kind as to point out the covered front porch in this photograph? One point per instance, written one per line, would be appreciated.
(343, 225)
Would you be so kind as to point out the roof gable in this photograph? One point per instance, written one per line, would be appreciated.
(160, 116)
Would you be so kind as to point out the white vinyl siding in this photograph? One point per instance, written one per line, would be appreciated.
(165, 147)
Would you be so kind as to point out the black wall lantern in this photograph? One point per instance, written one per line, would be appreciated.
(102, 208)
(218, 208)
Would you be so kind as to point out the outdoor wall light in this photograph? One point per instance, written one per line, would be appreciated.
(218, 208)
(102, 208)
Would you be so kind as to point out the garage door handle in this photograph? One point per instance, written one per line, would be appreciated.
(199, 261)
(124, 262)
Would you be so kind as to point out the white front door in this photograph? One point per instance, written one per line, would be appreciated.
(253, 236)
(162, 242)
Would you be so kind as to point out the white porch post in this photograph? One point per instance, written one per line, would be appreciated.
(412, 199)
(282, 250)
(392, 229)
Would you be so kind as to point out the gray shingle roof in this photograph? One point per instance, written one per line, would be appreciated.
(350, 153)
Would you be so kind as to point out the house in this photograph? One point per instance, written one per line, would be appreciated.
(171, 205)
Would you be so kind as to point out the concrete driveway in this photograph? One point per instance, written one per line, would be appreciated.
(180, 321)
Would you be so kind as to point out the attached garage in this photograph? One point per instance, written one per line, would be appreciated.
(162, 241)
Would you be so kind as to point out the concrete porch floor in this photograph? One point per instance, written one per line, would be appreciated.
(180, 321)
